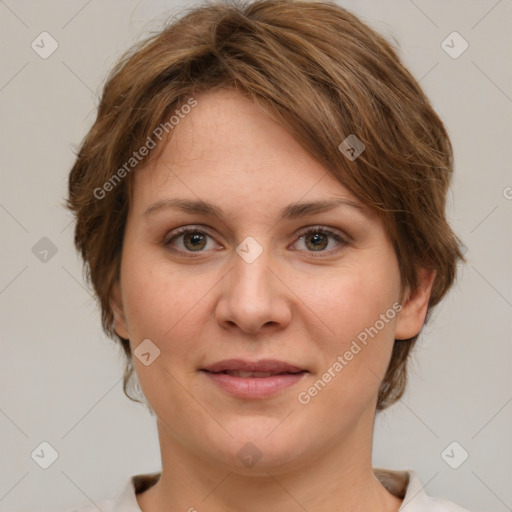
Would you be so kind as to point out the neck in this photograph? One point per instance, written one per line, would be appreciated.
(339, 478)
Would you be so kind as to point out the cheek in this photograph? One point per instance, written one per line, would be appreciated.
(159, 301)
(162, 305)
(357, 310)
(351, 300)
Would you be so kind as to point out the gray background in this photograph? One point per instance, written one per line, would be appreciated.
(60, 377)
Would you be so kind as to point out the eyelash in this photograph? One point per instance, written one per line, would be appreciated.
(306, 231)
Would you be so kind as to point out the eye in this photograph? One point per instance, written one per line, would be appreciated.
(316, 239)
(193, 239)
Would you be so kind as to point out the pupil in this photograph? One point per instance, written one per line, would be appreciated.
(317, 240)
(195, 239)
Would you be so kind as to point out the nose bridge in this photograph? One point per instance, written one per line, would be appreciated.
(251, 273)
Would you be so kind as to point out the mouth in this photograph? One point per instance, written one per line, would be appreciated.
(253, 379)
(263, 366)
(258, 375)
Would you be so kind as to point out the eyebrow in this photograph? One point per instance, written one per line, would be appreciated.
(289, 212)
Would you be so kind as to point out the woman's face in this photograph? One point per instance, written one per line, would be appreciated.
(264, 279)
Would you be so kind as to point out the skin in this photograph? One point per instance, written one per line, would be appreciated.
(296, 302)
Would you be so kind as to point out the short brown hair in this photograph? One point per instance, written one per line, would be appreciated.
(324, 75)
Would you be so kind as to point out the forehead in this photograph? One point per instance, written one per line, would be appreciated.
(228, 150)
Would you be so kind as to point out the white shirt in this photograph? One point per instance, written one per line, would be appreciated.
(403, 484)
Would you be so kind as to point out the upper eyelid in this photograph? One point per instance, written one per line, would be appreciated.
(320, 227)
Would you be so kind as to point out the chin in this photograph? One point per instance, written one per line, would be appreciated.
(257, 447)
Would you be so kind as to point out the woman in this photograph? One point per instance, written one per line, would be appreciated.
(260, 207)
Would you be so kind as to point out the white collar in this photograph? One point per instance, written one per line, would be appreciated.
(403, 484)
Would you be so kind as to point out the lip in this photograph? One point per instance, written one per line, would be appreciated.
(263, 365)
(283, 376)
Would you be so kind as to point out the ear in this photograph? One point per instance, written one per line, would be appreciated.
(411, 318)
(116, 303)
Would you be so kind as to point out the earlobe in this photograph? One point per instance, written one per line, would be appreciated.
(116, 303)
(414, 308)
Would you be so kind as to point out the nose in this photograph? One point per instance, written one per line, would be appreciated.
(254, 297)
